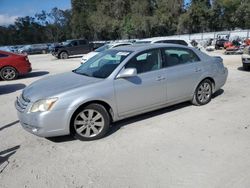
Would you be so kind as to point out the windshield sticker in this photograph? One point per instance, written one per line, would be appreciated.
(122, 53)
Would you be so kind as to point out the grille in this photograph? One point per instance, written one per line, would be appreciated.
(22, 103)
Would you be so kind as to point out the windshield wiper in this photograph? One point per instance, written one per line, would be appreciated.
(81, 73)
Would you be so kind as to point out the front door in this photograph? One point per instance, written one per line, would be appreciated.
(144, 91)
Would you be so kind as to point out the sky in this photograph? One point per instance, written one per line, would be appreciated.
(11, 9)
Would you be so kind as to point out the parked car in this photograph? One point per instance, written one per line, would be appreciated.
(5, 48)
(116, 84)
(220, 43)
(98, 44)
(165, 40)
(89, 55)
(169, 40)
(12, 65)
(72, 47)
(34, 49)
(246, 58)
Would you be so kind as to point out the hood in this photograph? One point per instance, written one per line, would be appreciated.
(54, 85)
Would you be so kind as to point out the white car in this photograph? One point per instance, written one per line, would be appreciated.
(165, 40)
(169, 40)
(89, 55)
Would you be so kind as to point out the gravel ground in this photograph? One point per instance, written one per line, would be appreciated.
(179, 146)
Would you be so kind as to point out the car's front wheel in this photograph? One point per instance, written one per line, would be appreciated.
(64, 55)
(8, 73)
(203, 93)
(90, 123)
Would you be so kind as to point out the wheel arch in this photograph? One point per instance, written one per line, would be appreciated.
(204, 78)
(212, 81)
(101, 102)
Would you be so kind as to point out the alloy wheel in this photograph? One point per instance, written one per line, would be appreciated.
(8, 74)
(204, 92)
(89, 123)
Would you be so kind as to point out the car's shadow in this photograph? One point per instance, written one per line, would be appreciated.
(5, 155)
(128, 121)
(9, 125)
(10, 88)
(242, 69)
(34, 74)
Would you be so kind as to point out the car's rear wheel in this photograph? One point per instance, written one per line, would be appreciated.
(246, 67)
(64, 55)
(8, 73)
(203, 93)
(90, 123)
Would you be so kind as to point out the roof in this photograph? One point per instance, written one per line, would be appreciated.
(142, 47)
(154, 39)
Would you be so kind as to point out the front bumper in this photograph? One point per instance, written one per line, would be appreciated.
(43, 124)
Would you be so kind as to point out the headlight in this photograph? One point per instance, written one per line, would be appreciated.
(43, 105)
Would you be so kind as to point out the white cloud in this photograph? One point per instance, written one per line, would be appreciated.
(7, 20)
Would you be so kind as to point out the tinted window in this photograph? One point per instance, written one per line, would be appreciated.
(82, 42)
(146, 61)
(3, 55)
(74, 43)
(177, 56)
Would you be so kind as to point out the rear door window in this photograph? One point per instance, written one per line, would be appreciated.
(178, 56)
(82, 42)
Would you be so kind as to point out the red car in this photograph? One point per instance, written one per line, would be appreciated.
(12, 65)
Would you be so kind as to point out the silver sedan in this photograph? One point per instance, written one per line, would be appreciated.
(116, 84)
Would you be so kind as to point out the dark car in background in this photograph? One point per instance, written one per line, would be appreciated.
(72, 47)
(220, 43)
(12, 65)
(246, 58)
(34, 49)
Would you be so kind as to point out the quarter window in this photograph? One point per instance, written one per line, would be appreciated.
(178, 56)
(146, 61)
(82, 42)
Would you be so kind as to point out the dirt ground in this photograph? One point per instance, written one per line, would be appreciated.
(179, 146)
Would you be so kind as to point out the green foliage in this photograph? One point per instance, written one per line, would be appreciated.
(120, 19)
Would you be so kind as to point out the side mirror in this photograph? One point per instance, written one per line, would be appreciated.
(126, 73)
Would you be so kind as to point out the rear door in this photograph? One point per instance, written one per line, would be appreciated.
(83, 47)
(183, 71)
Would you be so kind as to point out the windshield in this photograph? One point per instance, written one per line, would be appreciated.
(66, 43)
(104, 47)
(103, 64)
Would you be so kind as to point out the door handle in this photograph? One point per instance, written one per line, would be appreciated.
(160, 78)
(198, 70)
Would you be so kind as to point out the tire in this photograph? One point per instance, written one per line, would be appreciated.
(90, 123)
(245, 67)
(203, 93)
(64, 55)
(8, 73)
